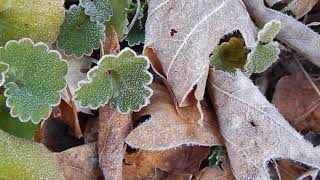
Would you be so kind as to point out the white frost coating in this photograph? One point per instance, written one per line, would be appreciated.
(293, 32)
(253, 129)
(200, 24)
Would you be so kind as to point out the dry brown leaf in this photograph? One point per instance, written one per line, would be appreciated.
(215, 173)
(292, 32)
(300, 7)
(80, 163)
(113, 130)
(183, 34)
(253, 129)
(298, 102)
(180, 161)
(166, 129)
(290, 170)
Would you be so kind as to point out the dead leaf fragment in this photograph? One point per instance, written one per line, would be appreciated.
(199, 25)
(166, 129)
(215, 173)
(298, 101)
(80, 163)
(253, 129)
(300, 7)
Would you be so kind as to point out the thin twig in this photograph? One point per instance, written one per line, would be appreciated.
(75, 114)
(135, 18)
(309, 78)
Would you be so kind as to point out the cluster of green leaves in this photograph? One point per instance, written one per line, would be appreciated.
(216, 156)
(233, 55)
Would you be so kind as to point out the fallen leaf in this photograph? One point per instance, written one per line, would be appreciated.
(253, 130)
(215, 173)
(298, 101)
(166, 129)
(180, 161)
(299, 8)
(113, 130)
(198, 27)
(290, 170)
(80, 163)
(293, 32)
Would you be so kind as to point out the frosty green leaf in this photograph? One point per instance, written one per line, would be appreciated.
(34, 80)
(269, 31)
(3, 69)
(120, 79)
(24, 159)
(98, 10)
(229, 56)
(262, 57)
(119, 20)
(39, 20)
(79, 35)
(13, 125)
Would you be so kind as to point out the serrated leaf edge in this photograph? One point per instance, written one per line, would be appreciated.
(89, 80)
(91, 19)
(86, 54)
(60, 91)
(267, 27)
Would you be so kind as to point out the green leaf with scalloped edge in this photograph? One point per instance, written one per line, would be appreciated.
(24, 159)
(120, 79)
(269, 31)
(229, 56)
(79, 35)
(119, 20)
(98, 10)
(39, 20)
(13, 125)
(3, 70)
(262, 57)
(35, 78)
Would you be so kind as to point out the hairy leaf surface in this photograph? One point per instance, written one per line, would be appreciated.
(98, 10)
(79, 35)
(120, 79)
(34, 80)
(39, 20)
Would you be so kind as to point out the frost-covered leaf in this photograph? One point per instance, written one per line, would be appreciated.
(98, 10)
(79, 35)
(262, 57)
(253, 129)
(229, 56)
(119, 20)
(122, 79)
(269, 31)
(166, 129)
(292, 32)
(183, 41)
(34, 80)
(24, 159)
(77, 69)
(37, 19)
(3, 70)
(13, 125)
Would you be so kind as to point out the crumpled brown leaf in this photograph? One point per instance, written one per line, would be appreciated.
(292, 32)
(166, 129)
(80, 163)
(180, 161)
(253, 129)
(215, 173)
(183, 34)
(298, 102)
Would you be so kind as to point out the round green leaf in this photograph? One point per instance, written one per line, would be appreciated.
(24, 159)
(79, 35)
(98, 10)
(122, 79)
(35, 78)
(36, 19)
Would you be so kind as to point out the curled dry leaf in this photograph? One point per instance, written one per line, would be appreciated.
(179, 161)
(298, 102)
(184, 33)
(113, 129)
(166, 129)
(300, 8)
(292, 32)
(253, 129)
(80, 162)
